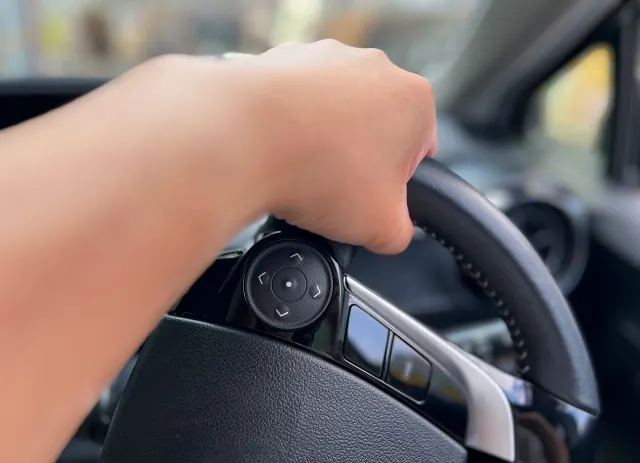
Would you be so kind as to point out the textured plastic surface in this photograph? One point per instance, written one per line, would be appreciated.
(203, 393)
(259, 291)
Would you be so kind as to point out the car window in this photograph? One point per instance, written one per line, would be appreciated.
(105, 37)
(575, 102)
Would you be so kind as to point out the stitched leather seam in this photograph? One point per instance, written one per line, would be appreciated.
(470, 269)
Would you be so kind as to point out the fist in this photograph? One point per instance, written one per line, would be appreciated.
(322, 135)
(347, 130)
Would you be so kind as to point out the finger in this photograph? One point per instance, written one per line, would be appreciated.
(428, 151)
(396, 230)
(424, 110)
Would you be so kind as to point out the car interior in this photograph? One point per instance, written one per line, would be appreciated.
(507, 331)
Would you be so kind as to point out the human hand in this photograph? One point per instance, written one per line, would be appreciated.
(350, 128)
(325, 135)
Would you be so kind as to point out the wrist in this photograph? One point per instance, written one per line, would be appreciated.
(266, 136)
(201, 126)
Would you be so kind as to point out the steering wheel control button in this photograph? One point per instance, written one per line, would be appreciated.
(296, 256)
(365, 343)
(408, 371)
(289, 284)
(316, 292)
(288, 276)
(282, 311)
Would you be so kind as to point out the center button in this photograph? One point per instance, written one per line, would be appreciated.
(289, 284)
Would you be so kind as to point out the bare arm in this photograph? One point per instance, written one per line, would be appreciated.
(102, 229)
(111, 207)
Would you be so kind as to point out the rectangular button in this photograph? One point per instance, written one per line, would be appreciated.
(408, 371)
(366, 341)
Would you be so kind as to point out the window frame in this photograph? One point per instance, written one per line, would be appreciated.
(620, 137)
(536, 105)
(624, 161)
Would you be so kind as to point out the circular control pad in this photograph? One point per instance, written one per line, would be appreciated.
(288, 285)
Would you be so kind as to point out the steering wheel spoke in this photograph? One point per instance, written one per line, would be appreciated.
(490, 426)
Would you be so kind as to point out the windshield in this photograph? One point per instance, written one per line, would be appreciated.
(80, 38)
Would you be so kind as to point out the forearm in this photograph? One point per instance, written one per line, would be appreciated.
(83, 265)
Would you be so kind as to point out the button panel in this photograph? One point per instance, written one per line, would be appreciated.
(288, 285)
(365, 343)
(398, 365)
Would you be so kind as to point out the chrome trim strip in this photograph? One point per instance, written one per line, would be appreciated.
(490, 425)
(518, 391)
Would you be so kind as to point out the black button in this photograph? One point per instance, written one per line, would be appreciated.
(315, 291)
(296, 256)
(281, 311)
(366, 341)
(263, 278)
(289, 274)
(289, 284)
(408, 371)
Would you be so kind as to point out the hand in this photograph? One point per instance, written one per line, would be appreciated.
(125, 196)
(322, 135)
(350, 128)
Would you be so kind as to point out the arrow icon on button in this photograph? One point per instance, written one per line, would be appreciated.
(283, 313)
(318, 292)
(295, 255)
(261, 276)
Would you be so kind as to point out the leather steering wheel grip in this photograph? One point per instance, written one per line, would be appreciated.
(551, 351)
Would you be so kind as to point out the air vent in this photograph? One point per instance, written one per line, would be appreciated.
(549, 231)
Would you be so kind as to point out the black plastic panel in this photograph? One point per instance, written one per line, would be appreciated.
(408, 371)
(184, 404)
(365, 343)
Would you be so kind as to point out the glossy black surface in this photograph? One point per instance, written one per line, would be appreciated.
(543, 422)
(408, 372)
(365, 343)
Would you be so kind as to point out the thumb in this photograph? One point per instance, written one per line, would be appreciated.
(396, 230)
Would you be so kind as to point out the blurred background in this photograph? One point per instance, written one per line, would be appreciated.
(103, 38)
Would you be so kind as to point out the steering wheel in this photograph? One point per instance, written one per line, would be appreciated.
(279, 355)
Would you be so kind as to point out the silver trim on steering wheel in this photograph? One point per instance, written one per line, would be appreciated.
(490, 425)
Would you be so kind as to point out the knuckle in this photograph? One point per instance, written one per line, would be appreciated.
(420, 94)
(330, 42)
(422, 88)
(169, 60)
(376, 53)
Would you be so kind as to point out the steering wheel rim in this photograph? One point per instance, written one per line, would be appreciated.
(552, 353)
(503, 263)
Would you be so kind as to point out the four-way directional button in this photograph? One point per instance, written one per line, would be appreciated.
(282, 311)
(315, 291)
(287, 284)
